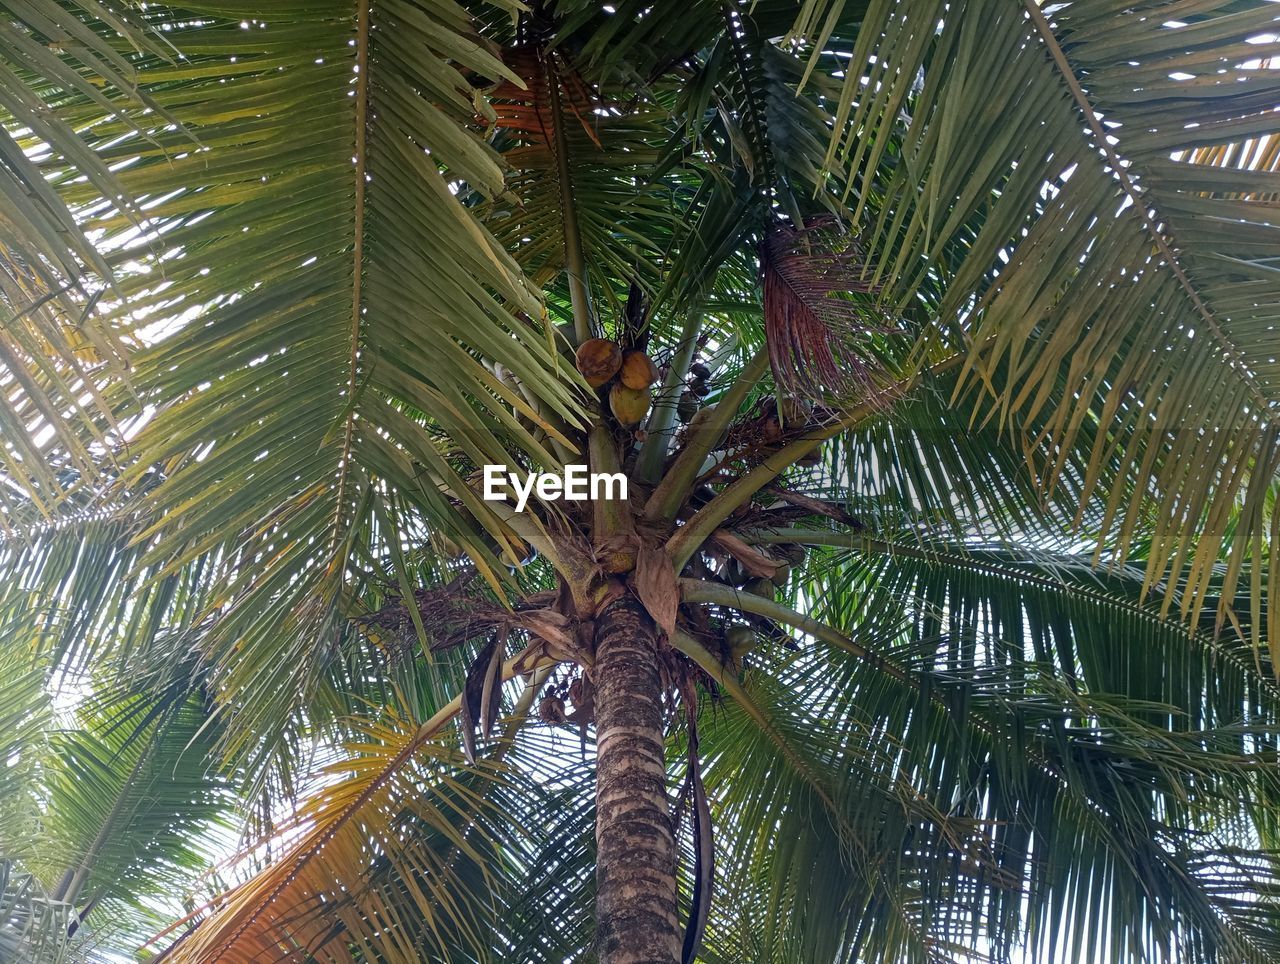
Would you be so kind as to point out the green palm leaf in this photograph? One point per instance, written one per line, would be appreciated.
(1045, 177)
(967, 655)
(338, 325)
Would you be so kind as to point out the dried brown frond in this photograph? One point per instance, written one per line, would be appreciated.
(451, 614)
(818, 316)
(529, 113)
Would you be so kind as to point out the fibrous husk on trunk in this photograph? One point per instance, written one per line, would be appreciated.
(655, 583)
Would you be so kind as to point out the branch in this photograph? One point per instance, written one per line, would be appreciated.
(574, 263)
(357, 272)
(706, 520)
(698, 590)
(655, 448)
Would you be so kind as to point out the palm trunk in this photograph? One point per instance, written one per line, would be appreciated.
(636, 920)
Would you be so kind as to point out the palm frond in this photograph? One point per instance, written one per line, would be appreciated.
(812, 322)
(395, 798)
(1014, 158)
(55, 348)
(276, 281)
(1011, 667)
(373, 295)
(32, 927)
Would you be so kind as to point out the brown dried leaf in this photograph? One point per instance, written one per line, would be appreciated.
(818, 312)
(491, 694)
(816, 506)
(582, 693)
(547, 624)
(551, 710)
(756, 563)
(655, 583)
(528, 112)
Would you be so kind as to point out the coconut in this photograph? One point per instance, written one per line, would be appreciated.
(638, 370)
(599, 360)
(628, 405)
(687, 407)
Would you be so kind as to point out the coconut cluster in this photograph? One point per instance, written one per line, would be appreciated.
(632, 373)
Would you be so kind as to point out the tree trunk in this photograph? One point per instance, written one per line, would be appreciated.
(636, 921)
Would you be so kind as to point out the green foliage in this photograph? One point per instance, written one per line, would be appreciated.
(277, 279)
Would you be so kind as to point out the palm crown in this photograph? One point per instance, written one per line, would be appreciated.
(936, 624)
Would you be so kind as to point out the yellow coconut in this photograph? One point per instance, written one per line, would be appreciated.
(599, 360)
(628, 405)
(638, 370)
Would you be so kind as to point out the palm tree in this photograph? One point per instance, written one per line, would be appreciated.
(935, 624)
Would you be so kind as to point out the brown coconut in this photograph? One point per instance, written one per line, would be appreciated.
(599, 360)
(628, 405)
(638, 370)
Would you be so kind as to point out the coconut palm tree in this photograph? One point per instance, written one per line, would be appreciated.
(935, 343)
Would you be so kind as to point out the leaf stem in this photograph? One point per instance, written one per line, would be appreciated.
(678, 482)
(574, 262)
(357, 266)
(706, 520)
(654, 451)
(689, 537)
(699, 590)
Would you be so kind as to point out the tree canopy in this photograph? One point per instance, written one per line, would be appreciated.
(952, 514)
